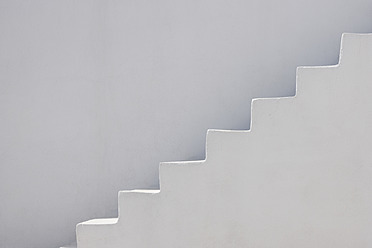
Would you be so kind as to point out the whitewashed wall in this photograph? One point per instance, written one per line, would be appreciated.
(94, 94)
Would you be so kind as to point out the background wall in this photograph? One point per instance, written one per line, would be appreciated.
(94, 94)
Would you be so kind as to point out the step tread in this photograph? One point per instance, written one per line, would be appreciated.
(74, 245)
(104, 221)
(141, 191)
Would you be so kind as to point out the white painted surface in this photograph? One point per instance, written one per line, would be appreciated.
(300, 177)
(94, 94)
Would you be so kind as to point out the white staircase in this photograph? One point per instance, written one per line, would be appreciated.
(300, 177)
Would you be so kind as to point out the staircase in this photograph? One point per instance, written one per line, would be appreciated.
(300, 177)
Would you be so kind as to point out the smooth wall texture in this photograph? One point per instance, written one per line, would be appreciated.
(94, 94)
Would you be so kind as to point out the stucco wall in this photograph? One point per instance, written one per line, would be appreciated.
(94, 94)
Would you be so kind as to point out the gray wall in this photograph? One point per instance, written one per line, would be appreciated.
(94, 94)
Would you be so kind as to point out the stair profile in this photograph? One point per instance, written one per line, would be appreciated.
(300, 177)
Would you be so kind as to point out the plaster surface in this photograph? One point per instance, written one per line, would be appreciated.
(300, 177)
(94, 94)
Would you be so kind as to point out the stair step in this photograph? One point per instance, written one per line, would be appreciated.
(74, 245)
(107, 221)
(143, 191)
